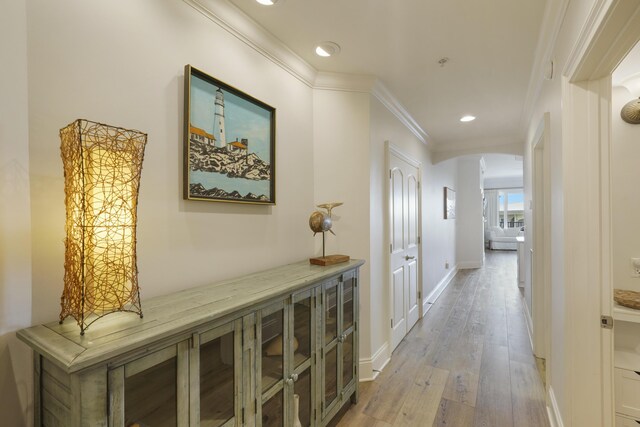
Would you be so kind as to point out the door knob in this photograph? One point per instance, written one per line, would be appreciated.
(407, 257)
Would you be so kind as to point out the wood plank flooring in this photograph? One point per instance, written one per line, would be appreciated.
(467, 363)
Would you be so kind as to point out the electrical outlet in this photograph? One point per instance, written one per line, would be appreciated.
(446, 264)
(635, 267)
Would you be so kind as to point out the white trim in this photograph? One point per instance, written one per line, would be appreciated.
(540, 283)
(464, 265)
(551, 23)
(382, 94)
(553, 412)
(399, 153)
(233, 20)
(392, 150)
(344, 82)
(370, 368)
(237, 23)
(441, 286)
(592, 26)
(529, 321)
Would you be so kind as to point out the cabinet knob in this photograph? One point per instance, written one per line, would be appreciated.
(289, 381)
(407, 258)
(294, 377)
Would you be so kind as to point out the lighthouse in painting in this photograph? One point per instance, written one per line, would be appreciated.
(218, 125)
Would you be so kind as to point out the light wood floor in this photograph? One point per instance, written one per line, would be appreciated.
(467, 363)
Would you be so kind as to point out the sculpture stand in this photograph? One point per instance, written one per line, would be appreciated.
(330, 259)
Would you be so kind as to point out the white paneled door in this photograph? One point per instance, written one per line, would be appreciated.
(404, 207)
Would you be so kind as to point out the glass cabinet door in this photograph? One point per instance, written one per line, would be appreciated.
(304, 333)
(330, 309)
(287, 333)
(272, 343)
(150, 389)
(339, 344)
(219, 370)
(347, 335)
(272, 337)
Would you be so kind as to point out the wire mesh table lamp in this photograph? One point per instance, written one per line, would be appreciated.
(102, 168)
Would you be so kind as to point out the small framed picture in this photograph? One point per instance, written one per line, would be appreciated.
(449, 203)
(229, 143)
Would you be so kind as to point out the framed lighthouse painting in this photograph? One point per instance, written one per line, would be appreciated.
(229, 143)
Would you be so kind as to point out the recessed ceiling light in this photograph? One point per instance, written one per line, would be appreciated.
(326, 49)
(267, 2)
(467, 118)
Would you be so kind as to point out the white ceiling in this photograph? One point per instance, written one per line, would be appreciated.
(490, 45)
(502, 166)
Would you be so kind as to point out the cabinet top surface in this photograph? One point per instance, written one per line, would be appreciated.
(171, 315)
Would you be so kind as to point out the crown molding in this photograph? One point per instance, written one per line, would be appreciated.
(588, 33)
(230, 18)
(608, 34)
(554, 14)
(345, 82)
(240, 25)
(382, 94)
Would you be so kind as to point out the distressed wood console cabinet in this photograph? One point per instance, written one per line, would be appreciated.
(232, 353)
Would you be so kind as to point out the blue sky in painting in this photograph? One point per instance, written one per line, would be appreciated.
(242, 118)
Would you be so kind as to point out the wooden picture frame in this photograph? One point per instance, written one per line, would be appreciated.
(449, 203)
(229, 143)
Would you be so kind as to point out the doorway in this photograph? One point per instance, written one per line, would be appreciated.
(404, 243)
(537, 289)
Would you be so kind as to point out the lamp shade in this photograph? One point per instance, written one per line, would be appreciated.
(102, 168)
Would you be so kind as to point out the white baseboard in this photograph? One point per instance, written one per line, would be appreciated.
(469, 264)
(441, 286)
(371, 368)
(529, 320)
(553, 412)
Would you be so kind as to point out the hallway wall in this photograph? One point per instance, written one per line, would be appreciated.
(571, 18)
(625, 196)
(469, 219)
(15, 218)
(438, 234)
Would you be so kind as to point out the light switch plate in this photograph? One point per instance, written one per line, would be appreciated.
(635, 267)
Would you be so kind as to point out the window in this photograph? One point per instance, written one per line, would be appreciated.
(511, 208)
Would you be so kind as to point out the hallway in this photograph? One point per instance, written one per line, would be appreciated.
(468, 362)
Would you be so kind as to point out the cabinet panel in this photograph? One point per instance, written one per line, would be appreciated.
(217, 381)
(627, 384)
(272, 341)
(303, 328)
(330, 376)
(303, 389)
(150, 395)
(330, 311)
(272, 413)
(348, 359)
(348, 303)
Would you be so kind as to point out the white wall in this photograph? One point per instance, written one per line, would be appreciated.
(122, 63)
(470, 228)
(15, 218)
(625, 194)
(549, 100)
(438, 234)
(341, 173)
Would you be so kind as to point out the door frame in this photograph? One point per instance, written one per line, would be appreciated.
(393, 150)
(611, 30)
(540, 282)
